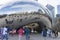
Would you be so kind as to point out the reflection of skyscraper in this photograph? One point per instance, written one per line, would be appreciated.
(58, 11)
(51, 8)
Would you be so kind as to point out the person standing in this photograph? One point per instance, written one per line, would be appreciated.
(44, 32)
(13, 32)
(27, 31)
(49, 32)
(56, 33)
(20, 33)
(5, 34)
(0, 33)
(8, 29)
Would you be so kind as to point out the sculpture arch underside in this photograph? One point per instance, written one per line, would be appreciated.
(38, 19)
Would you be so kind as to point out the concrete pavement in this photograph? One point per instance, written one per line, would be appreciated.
(34, 37)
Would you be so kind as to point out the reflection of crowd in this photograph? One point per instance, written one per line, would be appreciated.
(49, 32)
(5, 30)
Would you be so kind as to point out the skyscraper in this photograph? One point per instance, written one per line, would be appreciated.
(51, 8)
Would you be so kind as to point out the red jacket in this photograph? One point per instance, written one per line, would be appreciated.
(20, 31)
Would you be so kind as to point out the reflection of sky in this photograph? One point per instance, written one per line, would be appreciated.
(58, 9)
(20, 7)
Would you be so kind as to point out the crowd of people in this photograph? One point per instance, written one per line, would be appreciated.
(49, 32)
(5, 30)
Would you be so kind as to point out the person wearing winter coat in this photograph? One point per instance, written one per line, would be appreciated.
(20, 33)
(27, 31)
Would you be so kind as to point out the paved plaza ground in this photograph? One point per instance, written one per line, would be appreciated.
(34, 37)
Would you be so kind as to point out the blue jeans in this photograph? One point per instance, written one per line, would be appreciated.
(5, 36)
(27, 37)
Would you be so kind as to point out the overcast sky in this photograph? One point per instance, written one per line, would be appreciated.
(52, 2)
(43, 2)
